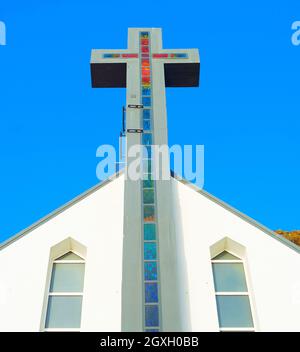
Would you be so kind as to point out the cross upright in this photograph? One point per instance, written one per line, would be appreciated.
(151, 282)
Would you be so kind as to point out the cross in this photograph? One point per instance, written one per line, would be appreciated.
(151, 284)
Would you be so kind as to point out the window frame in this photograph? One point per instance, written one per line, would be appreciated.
(234, 293)
(61, 294)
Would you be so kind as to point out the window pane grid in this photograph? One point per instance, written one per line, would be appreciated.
(65, 294)
(232, 296)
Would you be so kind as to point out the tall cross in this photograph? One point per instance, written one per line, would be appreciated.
(151, 282)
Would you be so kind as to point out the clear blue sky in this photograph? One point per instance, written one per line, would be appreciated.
(246, 111)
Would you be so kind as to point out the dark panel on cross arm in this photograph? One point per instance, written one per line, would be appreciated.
(182, 75)
(108, 75)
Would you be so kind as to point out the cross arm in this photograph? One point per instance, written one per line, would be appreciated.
(108, 68)
(181, 66)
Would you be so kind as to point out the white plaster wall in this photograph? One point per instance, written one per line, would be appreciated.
(97, 223)
(272, 268)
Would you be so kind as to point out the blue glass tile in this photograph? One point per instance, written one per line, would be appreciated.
(149, 232)
(151, 315)
(151, 330)
(148, 196)
(147, 152)
(146, 114)
(146, 91)
(151, 292)
(149, 250)
(146, 125)
(150, 271)
(147, 138)
(146, 101)
(144, 34)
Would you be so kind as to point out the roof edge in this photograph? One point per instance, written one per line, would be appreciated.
(93, 189)
(241, 215)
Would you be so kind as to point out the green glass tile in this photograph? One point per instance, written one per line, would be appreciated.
(149, 232)
(148, 195)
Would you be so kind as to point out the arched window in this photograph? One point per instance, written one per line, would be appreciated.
(65, 293)
(232, 296)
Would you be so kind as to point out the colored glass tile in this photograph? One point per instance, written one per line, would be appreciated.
(150, 271)
(145, 49)
(130, 55)
(145, 72)
(146, 101)
(149, 250)
(146, 91)
(145, 41)
(144, 34)
(151, 315)
(147, 138)
(148, 196)
(146, 80)
(179, 56)
(145, 56)
(148, 183)
(160, 56)
(145, 63)
(151, 292)
(149, 213)
(109, 56)
(146, 114)
(151, 330)
(149, 232)
(146, 125)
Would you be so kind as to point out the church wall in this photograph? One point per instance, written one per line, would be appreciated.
(96, 222)
(272, 268)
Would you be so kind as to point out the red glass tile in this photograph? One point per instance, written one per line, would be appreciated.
(145, 56)
(146, 80)
(145, 63)
(160, 56)
(130, 55)
(145, 41)
(145, 49)
(145, 72)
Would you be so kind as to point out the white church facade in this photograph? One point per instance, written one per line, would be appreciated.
(91, 226)
(148, 255)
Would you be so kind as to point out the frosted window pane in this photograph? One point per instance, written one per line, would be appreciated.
(69, 256)
(226, 256)
(67, 278)
(229, 277)
(64, 312)
(234, 312)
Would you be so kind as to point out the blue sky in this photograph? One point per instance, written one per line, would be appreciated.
(246, 111)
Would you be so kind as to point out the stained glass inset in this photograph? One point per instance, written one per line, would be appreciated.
(149, 232)
(150, 250)
(148, 196)
(151, 315)
(150, 271)
(151, 292)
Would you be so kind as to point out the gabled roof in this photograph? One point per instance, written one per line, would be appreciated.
(178, 178)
